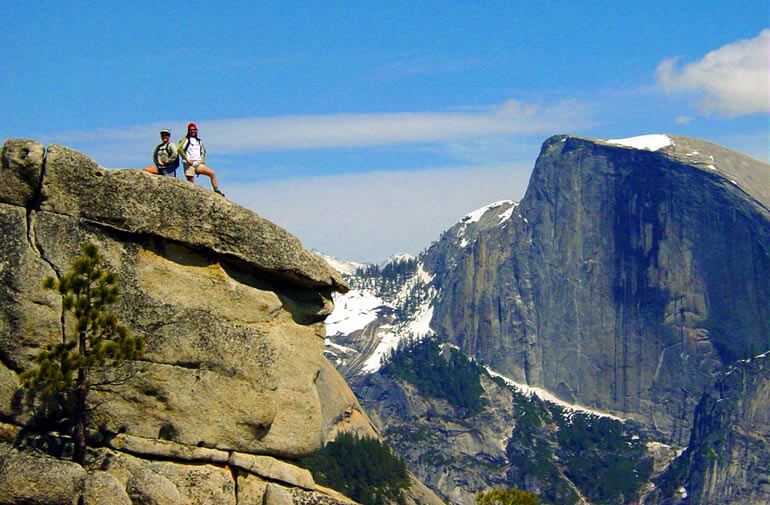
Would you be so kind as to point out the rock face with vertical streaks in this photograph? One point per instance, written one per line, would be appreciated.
(632, 273)
(728, 458)
(626, 279)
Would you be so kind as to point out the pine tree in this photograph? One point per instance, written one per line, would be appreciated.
(363, 468)
(501, 496)
(64, 371)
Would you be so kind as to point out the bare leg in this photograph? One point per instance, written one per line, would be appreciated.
(207, 171)
(152, 169)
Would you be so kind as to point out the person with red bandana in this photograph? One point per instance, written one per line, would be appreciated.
(193, 154)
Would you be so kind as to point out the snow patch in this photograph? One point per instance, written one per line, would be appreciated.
(420, 325)
(388, 341)
(397, 258)
(648, 142)
(473, 217)
(758, 356)
(423, 275)
(505, 216)
(340, 348)
(343, 267)
(476, 215)
(545, 395)
(352, 311)
(416, 326)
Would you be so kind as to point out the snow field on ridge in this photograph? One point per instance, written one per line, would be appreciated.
(352, 311)
(649, 142)
(476, 215)
(546, 395)
(416, 326)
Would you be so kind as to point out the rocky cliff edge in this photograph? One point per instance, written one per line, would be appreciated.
(233, 385)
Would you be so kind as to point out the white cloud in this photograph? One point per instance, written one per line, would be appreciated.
(345, 130)
(369, 216)
(684, 119)
(733, 80)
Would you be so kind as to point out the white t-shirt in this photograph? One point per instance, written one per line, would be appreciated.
(194, 150)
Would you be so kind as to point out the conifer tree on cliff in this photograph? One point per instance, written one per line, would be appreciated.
(65, 371)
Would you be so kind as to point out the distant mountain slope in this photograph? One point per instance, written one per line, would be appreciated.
(395, 300)
(625, 280)
(631, 273)
(727, 460)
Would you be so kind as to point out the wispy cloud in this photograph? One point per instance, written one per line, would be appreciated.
(355, 130)
(733, 80)
(368, 216)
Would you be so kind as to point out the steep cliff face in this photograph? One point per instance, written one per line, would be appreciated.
(728, 459)
(459, 453)
(508, 438)
(625, 280)
(231, 307)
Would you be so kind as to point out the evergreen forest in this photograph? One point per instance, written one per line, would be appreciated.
(438, 371)
(362, 468)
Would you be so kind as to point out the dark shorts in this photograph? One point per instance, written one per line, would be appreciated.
(168, 171)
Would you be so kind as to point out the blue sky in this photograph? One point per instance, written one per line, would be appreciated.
(367, 128)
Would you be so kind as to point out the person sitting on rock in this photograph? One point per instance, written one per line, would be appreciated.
(164, 157)
(193, 152)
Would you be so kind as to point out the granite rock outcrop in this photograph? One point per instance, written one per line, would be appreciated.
(233, 386)
(727, 460)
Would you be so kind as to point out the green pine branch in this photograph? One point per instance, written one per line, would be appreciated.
(62, 371)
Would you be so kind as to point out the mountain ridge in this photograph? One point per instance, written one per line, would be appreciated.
(625, 279)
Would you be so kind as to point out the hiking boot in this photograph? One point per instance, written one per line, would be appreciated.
(217, 191)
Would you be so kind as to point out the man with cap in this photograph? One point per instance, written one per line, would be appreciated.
(165, 157)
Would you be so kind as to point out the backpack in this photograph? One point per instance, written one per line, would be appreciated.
(170, 151)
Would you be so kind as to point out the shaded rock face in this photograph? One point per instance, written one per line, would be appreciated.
(231, 308)
(455, 453)
(625, 280)
(564, 456)
(727, 460)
